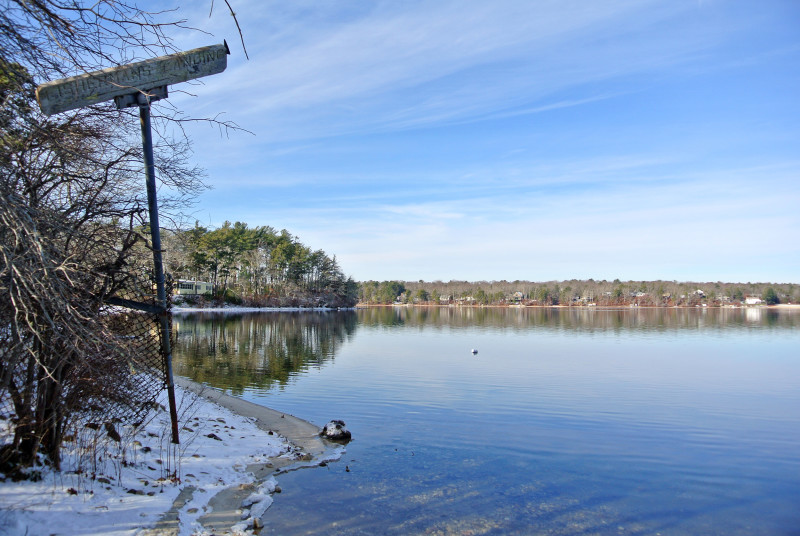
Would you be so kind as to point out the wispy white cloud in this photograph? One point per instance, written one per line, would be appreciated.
(443, 140)
(707, 219)
(402, 65)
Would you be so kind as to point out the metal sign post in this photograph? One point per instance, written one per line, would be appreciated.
(139, 84)
(155, 237)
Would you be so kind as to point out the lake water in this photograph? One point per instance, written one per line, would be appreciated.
(635, 421)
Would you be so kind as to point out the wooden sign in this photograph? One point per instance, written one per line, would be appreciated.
(92, 88)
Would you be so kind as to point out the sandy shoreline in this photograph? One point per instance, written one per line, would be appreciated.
(225, 515)
(299, 432)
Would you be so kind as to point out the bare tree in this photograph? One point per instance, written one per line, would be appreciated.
(70, 221)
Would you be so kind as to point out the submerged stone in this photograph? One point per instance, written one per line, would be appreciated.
(335, 431)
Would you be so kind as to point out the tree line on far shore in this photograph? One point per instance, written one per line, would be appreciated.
(576, 292)
(258, 266)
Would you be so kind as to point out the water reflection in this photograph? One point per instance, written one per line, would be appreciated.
(240, 351)
(578, 318)
(264, 350)
(568, 421)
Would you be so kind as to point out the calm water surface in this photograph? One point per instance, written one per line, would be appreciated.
(566, 422)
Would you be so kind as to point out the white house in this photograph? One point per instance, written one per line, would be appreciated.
(185, 287)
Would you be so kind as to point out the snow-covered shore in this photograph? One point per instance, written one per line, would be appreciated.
(241, 309)
(122, 488)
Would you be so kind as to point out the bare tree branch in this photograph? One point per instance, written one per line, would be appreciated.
(73, 217)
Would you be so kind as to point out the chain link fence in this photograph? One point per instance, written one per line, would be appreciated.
(138, 331)
(121, 386)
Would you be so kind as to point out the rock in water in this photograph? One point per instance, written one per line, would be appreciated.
(336, 431)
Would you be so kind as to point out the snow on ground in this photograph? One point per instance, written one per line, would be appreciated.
(116, 488)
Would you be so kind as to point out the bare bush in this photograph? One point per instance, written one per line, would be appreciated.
(63, 251)
(71, 225)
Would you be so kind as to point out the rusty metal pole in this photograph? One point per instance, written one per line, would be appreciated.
(155, 234)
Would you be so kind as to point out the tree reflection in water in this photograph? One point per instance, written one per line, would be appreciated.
(585, 319)
(264, 350)
(256, 350)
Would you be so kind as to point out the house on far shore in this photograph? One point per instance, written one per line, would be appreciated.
(753, 300)
(186, 287)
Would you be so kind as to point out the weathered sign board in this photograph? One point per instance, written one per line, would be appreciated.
(92, 88)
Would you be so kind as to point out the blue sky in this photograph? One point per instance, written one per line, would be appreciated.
(536, 140)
